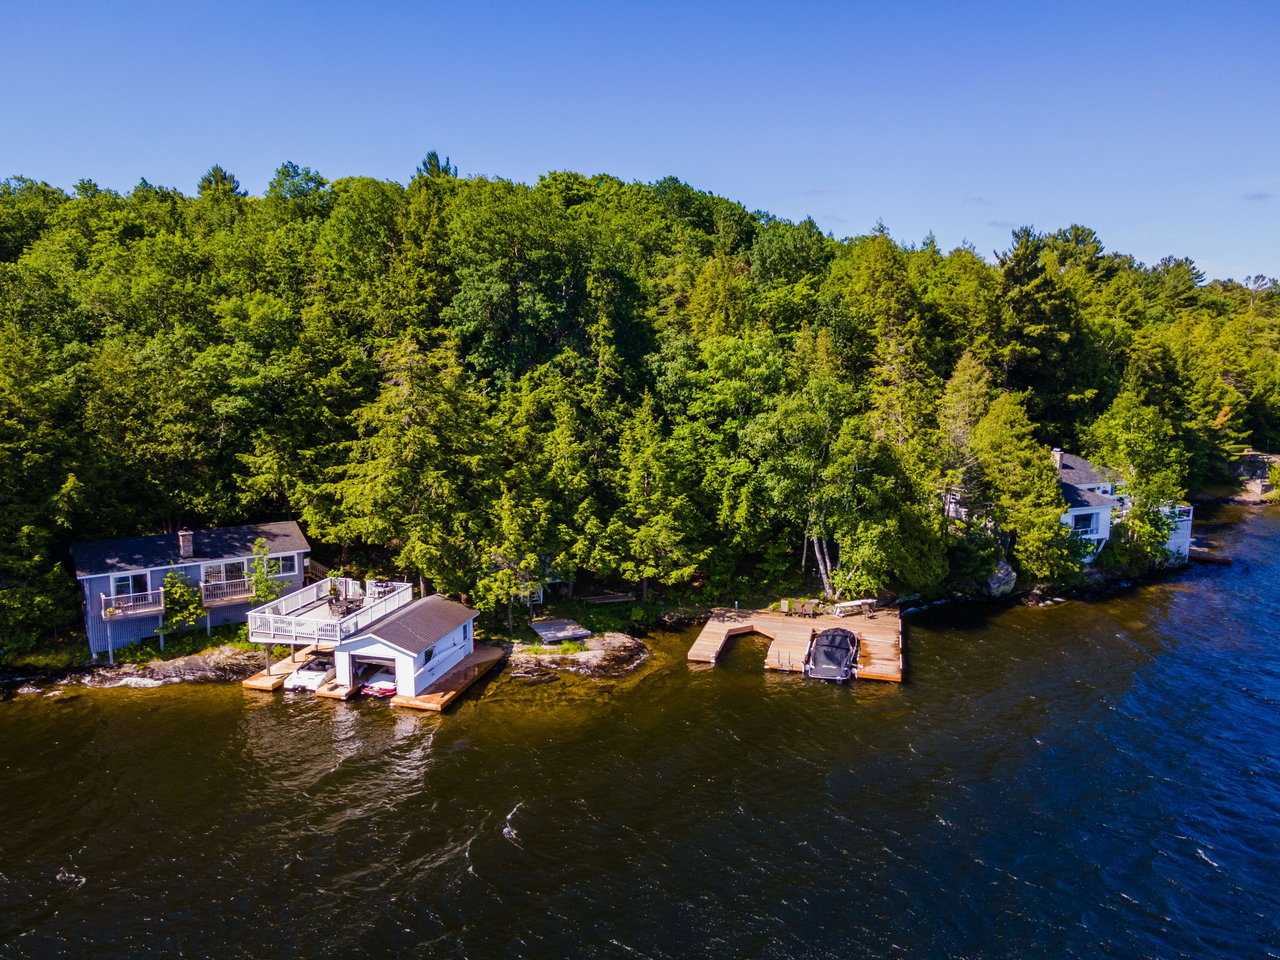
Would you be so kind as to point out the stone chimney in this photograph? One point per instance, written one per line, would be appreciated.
(185, 544)
(1057, 457)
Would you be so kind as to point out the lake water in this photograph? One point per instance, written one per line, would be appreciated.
(1087, 780)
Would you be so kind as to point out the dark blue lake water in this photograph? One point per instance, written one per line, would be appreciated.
(1087, 780)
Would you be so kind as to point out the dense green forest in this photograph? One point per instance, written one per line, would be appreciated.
(479, 381)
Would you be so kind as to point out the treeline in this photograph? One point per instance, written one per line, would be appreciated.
(643, 382)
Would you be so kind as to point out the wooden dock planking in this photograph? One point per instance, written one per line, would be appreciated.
(333, 690)
(879, 653)
(444, 690)
(273, 677)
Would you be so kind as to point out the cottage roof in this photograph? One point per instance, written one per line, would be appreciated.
(1079, 471)
(222, 543)
(421, 624)
(1081, 497)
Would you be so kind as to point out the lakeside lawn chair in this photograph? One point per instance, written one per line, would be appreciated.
(785, 606)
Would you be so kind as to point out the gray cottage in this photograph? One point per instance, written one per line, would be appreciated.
(123, 580)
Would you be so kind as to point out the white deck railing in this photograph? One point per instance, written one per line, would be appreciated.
(132, 604)
(282, 620)
(225, 591)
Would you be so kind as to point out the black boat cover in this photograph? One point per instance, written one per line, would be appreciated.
(831, 654)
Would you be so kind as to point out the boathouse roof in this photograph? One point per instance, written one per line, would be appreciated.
(421, 624)
(98, 557)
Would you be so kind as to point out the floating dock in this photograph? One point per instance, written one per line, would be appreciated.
(552, 630)
(447, 688)
(274, 676)
(879, 652)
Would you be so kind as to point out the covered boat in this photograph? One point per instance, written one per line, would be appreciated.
(832, 655)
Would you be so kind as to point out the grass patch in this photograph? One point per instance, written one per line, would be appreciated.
(571, 646)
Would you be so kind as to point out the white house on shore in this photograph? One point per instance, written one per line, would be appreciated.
(1093, 502)
(371, 626)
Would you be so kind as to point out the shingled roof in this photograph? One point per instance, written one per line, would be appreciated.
(421, 624)
(1075, 474)
(1080, 471)
(221, 543)
(1080, 497)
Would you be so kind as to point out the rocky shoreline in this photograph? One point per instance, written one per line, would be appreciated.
(606, 656)
(219, 665)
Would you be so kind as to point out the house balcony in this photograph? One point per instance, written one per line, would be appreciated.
(216, 593)
(327, 611)
(132, 605)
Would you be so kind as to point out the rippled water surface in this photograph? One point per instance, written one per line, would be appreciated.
(1088, 780)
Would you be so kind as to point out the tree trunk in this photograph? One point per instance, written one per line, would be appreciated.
(511, 629)
(644, 589)
(823, 570)
(826, 566)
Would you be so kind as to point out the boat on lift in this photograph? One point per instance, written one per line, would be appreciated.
(832, 655)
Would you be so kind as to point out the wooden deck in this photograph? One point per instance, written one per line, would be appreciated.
(273, 677)
(453, 684)
(879, 654)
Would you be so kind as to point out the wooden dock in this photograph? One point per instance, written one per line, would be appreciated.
(553, 630)
(333, 690)
(879, 654)
(447, 688)
(273, 677)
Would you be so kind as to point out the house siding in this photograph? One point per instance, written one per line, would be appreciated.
(449, 652)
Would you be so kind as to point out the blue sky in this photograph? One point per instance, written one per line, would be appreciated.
(1155, 124)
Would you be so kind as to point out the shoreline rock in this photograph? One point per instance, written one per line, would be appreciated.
(220, 664)
(607, 656)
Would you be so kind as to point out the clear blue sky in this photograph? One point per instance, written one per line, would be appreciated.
(1153, 123)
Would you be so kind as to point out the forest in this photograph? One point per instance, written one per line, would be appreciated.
(483, 384)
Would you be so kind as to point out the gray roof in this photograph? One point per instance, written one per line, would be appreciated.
(1080, 497)
(421, 624)
(1078, 470)
(222, 543)
(1075, 473)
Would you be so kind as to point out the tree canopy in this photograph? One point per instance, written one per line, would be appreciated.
(484, 381)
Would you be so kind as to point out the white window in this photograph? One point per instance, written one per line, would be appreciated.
(288, 564)
(129, 583)
(1085, 523)
(222, 572)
